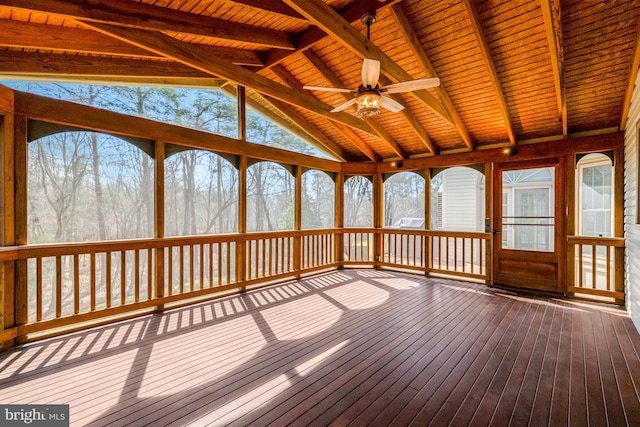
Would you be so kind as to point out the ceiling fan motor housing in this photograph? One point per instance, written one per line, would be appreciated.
(368, 101)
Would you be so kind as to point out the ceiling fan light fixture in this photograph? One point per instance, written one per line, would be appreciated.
(368, 101)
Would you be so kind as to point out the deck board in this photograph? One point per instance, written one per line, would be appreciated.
(350, 347)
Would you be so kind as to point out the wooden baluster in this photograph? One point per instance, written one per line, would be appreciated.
(210, 265)
(455, 254)
(473, 258)
(264, 257)
(228, 246)
(38, 289)
(594, 267)
(220, 266)
(58, 286)
(192, 275)
(249, 249)
(181, 270)
(607, 269)
(257, 244)
(314, 251)
(108, 278)
(76, 284)
(170, 271)
(201, 253)
(93, 281)
(278, 257)
(123, 277)
(149, 274)
(136, 275)
(482, 247)
(270, 258)
(580, 269)
(414, 261)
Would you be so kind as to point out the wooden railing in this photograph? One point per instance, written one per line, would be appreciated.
(69, 284)
(595, 266)
(269, 255)
(359, 246)
(461, 254)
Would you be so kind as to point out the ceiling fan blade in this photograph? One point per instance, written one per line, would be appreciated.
(344, 106)
(370, 72)
(411, 85)
(330, 89)
(391, 104)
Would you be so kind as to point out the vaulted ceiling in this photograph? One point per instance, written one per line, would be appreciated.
(511, 72)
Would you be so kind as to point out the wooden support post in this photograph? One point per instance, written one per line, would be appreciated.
(297, 241)
(378, 217)
(241, 246)
(618, 217)
(242, 113)
(571, 219)
(490, 214)
(158, 200)
(7, 211)
(20, 217)
(338, 219)
(561, 207)
(426, 241)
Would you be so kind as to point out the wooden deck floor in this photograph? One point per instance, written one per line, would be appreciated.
(359, 347)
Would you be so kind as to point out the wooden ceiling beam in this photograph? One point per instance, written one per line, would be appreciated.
(333, 80)
(291, 81)
(27, 35)
(631, 80)
(483, 44)
(553, 27)
(186, 54)
(83, 116)
(307, 38)
(144, 16)
(31, 64)
(343, 32)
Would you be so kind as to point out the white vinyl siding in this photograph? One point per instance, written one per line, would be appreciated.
(461, 201)
(631, 227)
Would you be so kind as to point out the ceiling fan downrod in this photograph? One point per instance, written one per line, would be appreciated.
(367, 19)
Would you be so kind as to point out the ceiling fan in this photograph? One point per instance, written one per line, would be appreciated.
(369, 96)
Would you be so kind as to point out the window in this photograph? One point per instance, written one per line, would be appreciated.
(358, 202)
(87, 186)
(318, 199)
(201, 194)
(404, 201)
(270, 197)
(595, 196)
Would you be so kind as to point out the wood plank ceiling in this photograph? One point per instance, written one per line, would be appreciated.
(511, 72)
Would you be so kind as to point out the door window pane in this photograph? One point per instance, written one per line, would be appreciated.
(528, 209)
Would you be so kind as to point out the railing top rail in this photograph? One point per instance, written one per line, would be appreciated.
(598, 241)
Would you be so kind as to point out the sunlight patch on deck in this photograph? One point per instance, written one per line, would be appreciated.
(301, 318)
(228, 345)
(358, 295)
(399, 283)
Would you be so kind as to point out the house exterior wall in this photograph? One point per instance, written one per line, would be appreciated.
(460, 199)
(631, 226)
